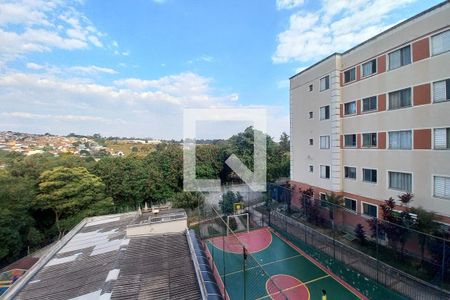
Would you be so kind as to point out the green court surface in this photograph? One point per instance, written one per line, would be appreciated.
(276, 269)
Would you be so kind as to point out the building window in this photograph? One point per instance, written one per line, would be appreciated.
(349, 75)
(325, 142)
(369, 104)
(350, 140)
(350, 108)
(311, 168)
(399, 99)
(369, 68)
(369, 140)
(311, 142)
(324, 83)
(369, 210)
(400, 140)
(400, 57)
(440, 43)
(370, 175)
(442, 138)
(311, 114)
(441, 187)
(325, 172)
(441, 91)
(350, 204)
(400, 181)
(350, 172)
(325, 112)
(310, 87)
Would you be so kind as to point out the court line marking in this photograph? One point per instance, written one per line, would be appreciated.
(292, 287)
(216, 272)
(265, 264)
(335, 277)
(239, 242)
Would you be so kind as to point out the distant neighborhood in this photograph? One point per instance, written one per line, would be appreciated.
(96, 146)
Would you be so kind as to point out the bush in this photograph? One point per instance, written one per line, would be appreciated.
(360, 234)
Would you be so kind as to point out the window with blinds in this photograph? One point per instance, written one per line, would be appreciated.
(369, 104)
(400, 57)
(442, 138)
(400, 99)
(325, 142)
(400, 140)
(369, 140)
(440, 43)
(441, 91)
(324, 83)
(325, 112)
(400, 181)
(369, 68)
(441, 187)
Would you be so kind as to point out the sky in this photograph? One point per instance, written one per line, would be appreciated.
(129, 68)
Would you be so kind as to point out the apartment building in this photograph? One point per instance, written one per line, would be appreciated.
(374, 122)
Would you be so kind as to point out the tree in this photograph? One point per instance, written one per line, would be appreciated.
(187, 200)
(425, 223)
(360, 234)
(67, 191)
(335, 201)
(228, 200)
(284, 142)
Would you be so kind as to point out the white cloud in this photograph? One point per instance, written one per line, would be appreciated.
(41, 26)
(73, 118)
(203, 58)
(336, 26)
(92, 69)
(288, 4)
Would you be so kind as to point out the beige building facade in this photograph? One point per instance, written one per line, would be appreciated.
(374, 122)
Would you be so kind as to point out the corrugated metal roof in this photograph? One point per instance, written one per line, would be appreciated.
(100, 262)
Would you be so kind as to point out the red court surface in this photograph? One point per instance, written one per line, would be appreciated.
(292, 288)
(254, 241)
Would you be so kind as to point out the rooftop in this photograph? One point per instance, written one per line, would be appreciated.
(97, 260)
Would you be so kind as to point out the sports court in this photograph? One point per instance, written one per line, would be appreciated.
(273, 268)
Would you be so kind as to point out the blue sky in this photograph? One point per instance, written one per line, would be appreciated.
(128, 68)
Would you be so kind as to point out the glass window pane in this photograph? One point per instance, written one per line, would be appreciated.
(440, 43)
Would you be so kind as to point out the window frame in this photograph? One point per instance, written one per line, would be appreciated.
(447, 90)
(325, 113)
(397, 131)
(371, 182)
(345, 173)
(433, 193)
(431, 43)
(400, 91)
(388, 181)
(350, 209)
(320, 141)
(311, 142)
(311, 169)
(374, 60)
(311, 87)
(329, 172)
(354, 75)
(356, 140)
(327, 83)
(371, 146)
(399, 50)
(369, 110)
(311, 115)
(370, 204)
(447, 138)
(347, 103)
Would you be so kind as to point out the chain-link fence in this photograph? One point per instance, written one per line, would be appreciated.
(356, 245)
(238, 272)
